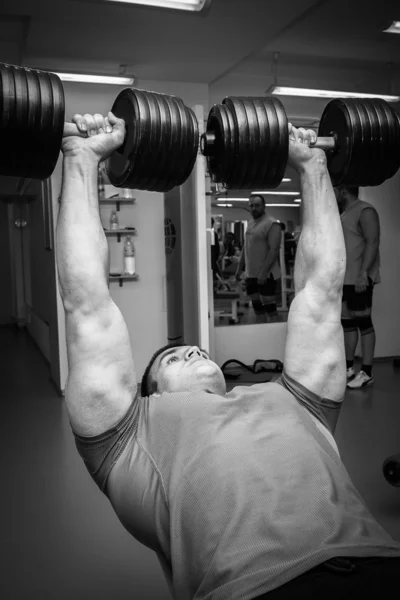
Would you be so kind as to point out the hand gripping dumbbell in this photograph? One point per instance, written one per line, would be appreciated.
(158, 153)
(247, 142)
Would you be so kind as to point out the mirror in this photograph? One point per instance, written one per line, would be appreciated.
(239, 228)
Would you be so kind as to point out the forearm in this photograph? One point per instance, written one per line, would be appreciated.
(321, 255)
(369, 257)
(82, 249)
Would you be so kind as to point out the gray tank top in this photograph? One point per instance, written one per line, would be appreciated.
(356, 243)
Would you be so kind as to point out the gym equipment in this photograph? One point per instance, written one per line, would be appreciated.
(158, 153)
(246, 142)
(391, 470)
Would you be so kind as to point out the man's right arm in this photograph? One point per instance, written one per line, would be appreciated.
(101, 381)
(314, 354)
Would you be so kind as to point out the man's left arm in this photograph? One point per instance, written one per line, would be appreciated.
(274, 244)
(369, 223)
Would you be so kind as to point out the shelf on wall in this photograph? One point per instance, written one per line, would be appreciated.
(119, 232)
(117, 200)
(122, 278)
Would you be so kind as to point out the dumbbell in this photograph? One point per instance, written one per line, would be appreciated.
(246, 142)
(158, 153)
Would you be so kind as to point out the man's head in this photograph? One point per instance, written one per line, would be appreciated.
(229, 238)
(345, 194)
(179, 368)
(257, 206)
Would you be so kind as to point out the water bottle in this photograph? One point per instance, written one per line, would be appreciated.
(114, 225)
(129, 257)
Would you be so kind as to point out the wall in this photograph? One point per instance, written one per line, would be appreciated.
(142, 303)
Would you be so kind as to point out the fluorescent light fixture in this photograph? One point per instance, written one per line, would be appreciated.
(286, 180)
(192, 5)
(283, 205)
(226, 205)
(276, 193)
(279, 90)
(82, 78)
(297, 200)
(394, 28)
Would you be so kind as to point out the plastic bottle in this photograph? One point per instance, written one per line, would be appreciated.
(129, 256)
(114, 224)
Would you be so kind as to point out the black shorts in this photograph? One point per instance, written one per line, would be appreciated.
(267, 289)
(358, 301)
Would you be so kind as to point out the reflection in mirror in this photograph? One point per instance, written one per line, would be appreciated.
(253, 257)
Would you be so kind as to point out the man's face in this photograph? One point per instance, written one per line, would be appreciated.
(187, 368)
(257, 207)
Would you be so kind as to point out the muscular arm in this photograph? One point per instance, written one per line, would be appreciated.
(274, 244)
(101, 380)
(369, 222)
(314, 354)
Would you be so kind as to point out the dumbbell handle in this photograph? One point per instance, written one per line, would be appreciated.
(325, 143)
(70, 129)
(207, 142)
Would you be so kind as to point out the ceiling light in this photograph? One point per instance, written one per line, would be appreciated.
(83, 78)
(279, 90)
(226, 205)
(276, 193)
(192, 5)
(297, 200)
(283, 205)
(394, 28)
(286, 180)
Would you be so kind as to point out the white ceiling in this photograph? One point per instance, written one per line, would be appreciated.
(335, 43)
(233, 37)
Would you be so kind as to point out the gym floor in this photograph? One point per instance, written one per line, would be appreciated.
(60, 537)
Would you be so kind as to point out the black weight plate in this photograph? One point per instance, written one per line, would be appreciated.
(7, 162)
(58, 120)
(254, 156)
(278, 143)
(23, 148)
(223, 160)
(281, 157)
(163, 166)
(35, 85)
(193, 143)
(391, 156)
(190, 147)
(177, 173)
(373, 171)
(239, 133)
(141, 171)
(335, 122)
(45, 146)
(364, 167)
(120, 164)
(7, 96)
(265, 148)
(356, 133)
(242, 141)
(171, 146)
(220, 161)
(154, 145)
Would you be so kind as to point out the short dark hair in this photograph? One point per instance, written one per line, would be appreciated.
(354, 190)
(283, 226)
(149, 385)
(258, 196)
